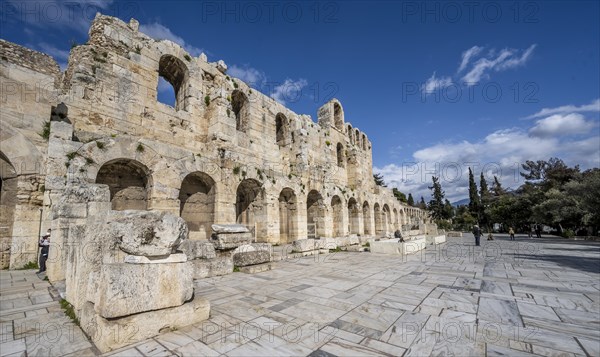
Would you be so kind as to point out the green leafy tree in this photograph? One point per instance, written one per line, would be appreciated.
(448, 210)
(473, 196)
(436, 205)
(379, 180)
(422, 204)
(497, 189)
(399, 195)
(410, 200)
(485, 200)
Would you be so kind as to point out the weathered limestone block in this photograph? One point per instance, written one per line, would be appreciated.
(197, 249)
(341, 241)
(454, 234)
(206, 268)
(140, 259)
(258, 268)
(252, 254)
(303, 245)
(436, 239)
(353, 240)
(126, 289)
(229, 228)
(149, 233)
(326, 243)
(138, 327)
(231, 240)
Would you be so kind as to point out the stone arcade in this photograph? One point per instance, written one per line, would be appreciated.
(133, 189)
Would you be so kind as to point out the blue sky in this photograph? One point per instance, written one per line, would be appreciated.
(445, 85)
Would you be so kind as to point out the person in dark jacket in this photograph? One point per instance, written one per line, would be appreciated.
(477, 234)
(45, 245)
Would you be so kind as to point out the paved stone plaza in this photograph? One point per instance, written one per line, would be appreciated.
(531, 296)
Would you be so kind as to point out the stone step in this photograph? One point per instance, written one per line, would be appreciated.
(27, 308)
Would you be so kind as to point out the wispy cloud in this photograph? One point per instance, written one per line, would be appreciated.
(289, 90)
(506, 59)
(592, 107)
(434, 84)
(64, 15)
(250, 75)
(160, 32)
(478, 66)
(467, 55)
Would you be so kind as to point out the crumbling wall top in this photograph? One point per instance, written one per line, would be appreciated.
(25, 57)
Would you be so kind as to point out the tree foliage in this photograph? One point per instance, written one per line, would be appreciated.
(410, 200)
(379, 180)
(399, 195)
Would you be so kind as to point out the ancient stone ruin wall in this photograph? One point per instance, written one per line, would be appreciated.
(224, 153)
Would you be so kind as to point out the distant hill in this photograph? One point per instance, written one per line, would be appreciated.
(464, 201)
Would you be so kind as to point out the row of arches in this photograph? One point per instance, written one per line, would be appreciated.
(129, 183)
(355, 137)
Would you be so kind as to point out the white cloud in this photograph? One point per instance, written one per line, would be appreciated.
(592, 107)
(434, 84)
(559, 124)
(250, 75)
(467, 55)
(499, 153)
(164, 86)
(289, 90)
(160, 32)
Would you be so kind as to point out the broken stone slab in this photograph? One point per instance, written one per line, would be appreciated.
(206, 268)
(267, 247)
(221, 66)
(126, 289)
(198, 249)
(138, 327)
(258, 268)
(326, 243)
(352, 240)
(229, 228)
(303, 245)
(148, 233)
(242, 259)
(140, 259)
(230, 240)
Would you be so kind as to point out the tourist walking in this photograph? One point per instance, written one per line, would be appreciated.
(538, 230)
(530, 231)
(45, 245)
(511, 231)
(477, 234)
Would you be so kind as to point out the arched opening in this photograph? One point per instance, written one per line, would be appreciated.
(8, 202)
(288, 216)
(353, 216)
(241, 110)
(315, 214)
(357, 137)
(387, 218)
(364, 142)
(250, 204)
(281, 129)
(337, 216)
(338, 117)
(367, 219)
(128, 182)
(197, 204)
(350, 134)
(396, 221)
(172, 81)
(340, 155)
(377, 214)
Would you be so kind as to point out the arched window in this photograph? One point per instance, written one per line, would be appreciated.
(281, 129)
(350, 134)
(357, 136)
(240, 106)
(173, 77)
(338, 117)
(340, 155)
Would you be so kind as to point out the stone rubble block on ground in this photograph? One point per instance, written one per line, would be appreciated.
(125, 289)
(198, 249)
